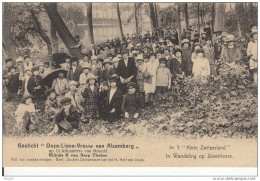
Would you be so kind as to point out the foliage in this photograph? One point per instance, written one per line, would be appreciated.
(24, 31)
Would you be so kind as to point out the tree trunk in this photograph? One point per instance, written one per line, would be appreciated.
(186, 15)
(219, 17)
(179, 22)
(119, 21)
(54, 39)
(152, 16)
(239, 9)
(62, 29)
(198, 17)
(136, 21)
(7, 35)
(41, 32)
(213, 17)
(156, 15)
(90, 22)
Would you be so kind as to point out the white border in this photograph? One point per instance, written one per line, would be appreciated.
(131, 171)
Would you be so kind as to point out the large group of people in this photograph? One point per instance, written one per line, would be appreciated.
(117, 79)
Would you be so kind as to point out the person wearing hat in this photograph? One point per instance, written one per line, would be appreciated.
(201, 65)
(107, 72)
(163, 77)
(131, 103)
(231, 53)
(74, 71)
(35, 86)
(179, 66)
(209, 54)
(196, 46)
(28, 64)
(79, 45)
(139, 77)
(102, 54)
(20, 65)
(24, 115)
(72, 94)
(67, 119)
(51, 104)
(203, 38)
(83, 76)
(25, 79)
(41, 69)
(126, 71)
(91, 98)
(47, 68)
(186, 54)
(149, 73)
(8, 63)
(60, 85)
(252, 53)
(113, 102)
(12, 83)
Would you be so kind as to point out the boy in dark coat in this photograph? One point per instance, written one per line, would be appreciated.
(131, 103)
(35, 86)
(113, 102)
(12, 83)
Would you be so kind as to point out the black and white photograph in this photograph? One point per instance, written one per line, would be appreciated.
(134, 70)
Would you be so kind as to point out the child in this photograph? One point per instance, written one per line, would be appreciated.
(201, 65)
(113, 101)
(163, 77)
(131, 103)
(24, 115)
(102, 98)
(83, 76)
(140, 78)
(91, 96)
(51, 104)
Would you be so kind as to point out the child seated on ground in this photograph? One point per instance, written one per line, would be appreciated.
(163, 77)
(24, 115)
(131, 103)
(51, 104)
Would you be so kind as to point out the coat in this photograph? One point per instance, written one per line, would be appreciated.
(73, 118)
(151, 68)
(126, 72)
(13, 83)
(74, 75)
(33, 82)
(115, 102)
(179, 67)
(210, 55)
(91, 101)
(231, 55)
(131, 103)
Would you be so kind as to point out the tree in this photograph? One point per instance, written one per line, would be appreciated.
(63, 31)
(212, 17)
(54, 38)
(8, 43)
(41, 31)
(186, 15)
(219, 17)
(136, 20)
(119, 21)
(152, 16)
(199, 17)
(179, 22)
(90, 22)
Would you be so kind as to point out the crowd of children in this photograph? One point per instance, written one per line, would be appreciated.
(118, 78)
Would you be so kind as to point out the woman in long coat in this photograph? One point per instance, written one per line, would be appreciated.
(150, 69)
(209, 53)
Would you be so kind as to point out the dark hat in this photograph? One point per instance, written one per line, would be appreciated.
(131, 85)
(162, 60)
(100, 60)
(67, 57)
(46, 63)
(11, 67)
(105, 83)
(124, 51)
(145, 56)
(74, 59)
(49, 91)
(109, 55)
(8, 60)
(200, 50)
(65, 101)
(177, 50)
(208, 38)
(35, 69)
(152, 54)
(113, 79)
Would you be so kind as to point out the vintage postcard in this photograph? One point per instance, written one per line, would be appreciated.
(130, 89)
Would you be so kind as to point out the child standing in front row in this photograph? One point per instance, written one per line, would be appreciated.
(131, 103)
(163, 77)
